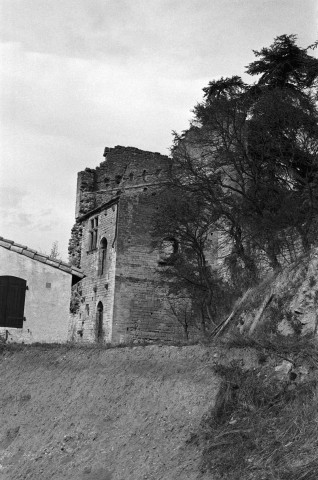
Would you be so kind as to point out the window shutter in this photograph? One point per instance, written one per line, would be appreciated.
(12, 298)
(4, 283)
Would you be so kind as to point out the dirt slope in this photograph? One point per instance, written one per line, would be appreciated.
(89, 414)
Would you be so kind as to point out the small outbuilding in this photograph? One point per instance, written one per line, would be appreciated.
(35, 295)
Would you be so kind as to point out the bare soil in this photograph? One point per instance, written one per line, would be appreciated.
(97, 414)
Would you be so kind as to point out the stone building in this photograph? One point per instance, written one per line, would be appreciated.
(34, 294)
(121, 297)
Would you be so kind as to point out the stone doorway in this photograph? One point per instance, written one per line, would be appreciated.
(99, 322)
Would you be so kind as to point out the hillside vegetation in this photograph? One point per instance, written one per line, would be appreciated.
(244, 411)
(242, 200)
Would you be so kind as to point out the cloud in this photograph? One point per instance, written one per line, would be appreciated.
(99, 70)
(18, 216)
(11, 197)
(23, 220)
(115, 27)
(37, 229)
(79, 75)
(82, 99)
(194, 33)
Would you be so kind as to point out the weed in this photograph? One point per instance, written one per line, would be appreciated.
(64, 347)
(312, 281)
(294, 322)
(296, 350)
(261, 428)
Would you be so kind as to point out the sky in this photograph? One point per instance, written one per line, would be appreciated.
(79, 75)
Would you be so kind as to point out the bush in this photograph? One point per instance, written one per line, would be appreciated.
(261, 427)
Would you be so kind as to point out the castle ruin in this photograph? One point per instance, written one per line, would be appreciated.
(122, 297)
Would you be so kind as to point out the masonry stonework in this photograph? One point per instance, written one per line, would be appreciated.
(122, 297)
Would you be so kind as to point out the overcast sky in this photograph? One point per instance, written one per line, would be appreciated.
(79, 75)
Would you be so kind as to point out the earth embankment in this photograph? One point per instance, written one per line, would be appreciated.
(103, 414)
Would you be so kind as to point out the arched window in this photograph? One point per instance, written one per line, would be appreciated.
(102, 256)
(99, 322)
(93, 233)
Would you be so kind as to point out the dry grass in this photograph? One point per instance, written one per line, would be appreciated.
(63, 347)
(126, 410)
(294, 349)
(262, 428)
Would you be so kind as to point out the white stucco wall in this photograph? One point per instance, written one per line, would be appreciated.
(46, 308)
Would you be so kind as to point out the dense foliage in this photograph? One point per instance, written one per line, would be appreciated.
(246, 171)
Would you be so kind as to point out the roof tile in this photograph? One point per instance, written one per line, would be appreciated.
(31, 250)
(40, 257)
(65, 268)
(14, 248)
(19, 245)
(76, 269)
(77, 273)
(8, 241)
(28, 253)
(53, 263)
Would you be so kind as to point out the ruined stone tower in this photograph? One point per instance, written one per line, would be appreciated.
(121, 297)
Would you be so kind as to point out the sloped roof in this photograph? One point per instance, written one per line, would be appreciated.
(40, 257)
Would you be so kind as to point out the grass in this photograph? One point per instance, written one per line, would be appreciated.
(262, 428)
(294, 349)
(17, 347)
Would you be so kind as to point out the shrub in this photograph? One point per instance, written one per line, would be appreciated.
(262, 427)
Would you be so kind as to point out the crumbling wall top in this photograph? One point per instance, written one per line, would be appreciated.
(125, 169)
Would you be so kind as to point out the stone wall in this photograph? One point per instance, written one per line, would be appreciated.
(96, 286)
(75, 244)
(125, 169)
(140, 310)
(122, 193)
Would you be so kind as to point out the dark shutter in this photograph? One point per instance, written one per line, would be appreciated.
(4, 284)
(12, 298)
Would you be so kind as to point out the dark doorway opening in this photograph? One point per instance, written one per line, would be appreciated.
(99, 322)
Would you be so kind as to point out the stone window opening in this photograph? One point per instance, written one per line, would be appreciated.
(131, 176)
(102, 256)
(168, 251)
(118, 179)
(144, 175)
(93, 233)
